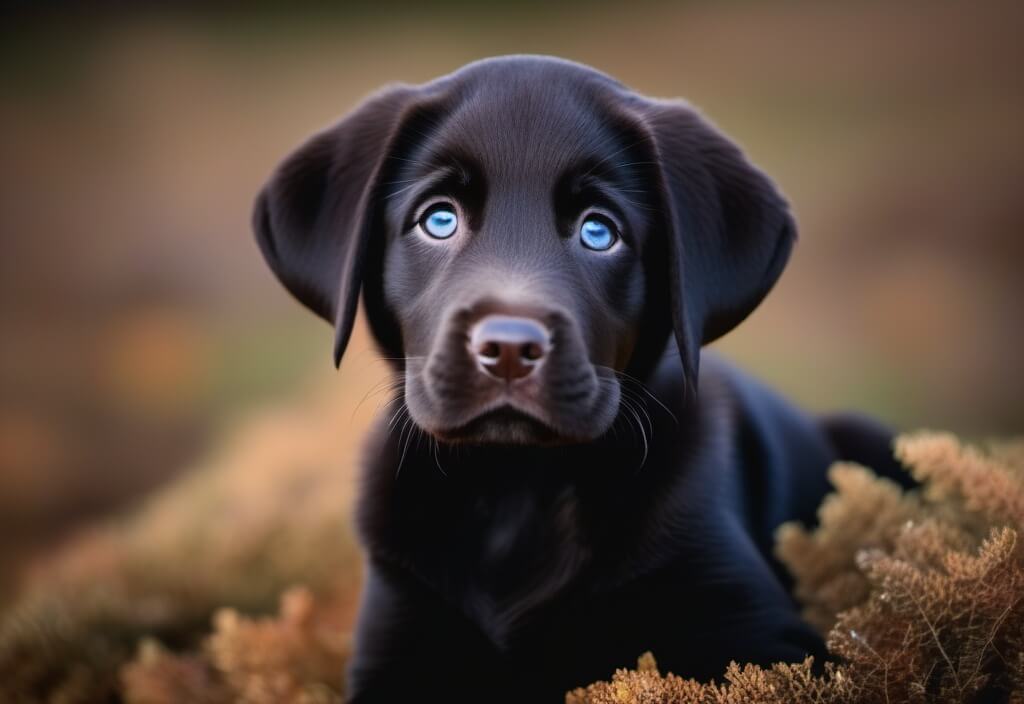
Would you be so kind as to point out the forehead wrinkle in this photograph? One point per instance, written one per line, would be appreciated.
(518, 131)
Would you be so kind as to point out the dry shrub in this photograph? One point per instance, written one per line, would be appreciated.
(268, 509)
(783, 683)
(295, 658)
(921, 594)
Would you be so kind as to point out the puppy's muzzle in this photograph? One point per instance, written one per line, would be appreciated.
(509, 347)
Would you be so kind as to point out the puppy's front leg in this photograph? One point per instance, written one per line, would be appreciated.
(410, 643)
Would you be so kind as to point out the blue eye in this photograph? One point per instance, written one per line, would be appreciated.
(597, 234)
(440, 221)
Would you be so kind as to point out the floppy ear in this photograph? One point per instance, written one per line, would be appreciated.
(730, 232)
(313, 217)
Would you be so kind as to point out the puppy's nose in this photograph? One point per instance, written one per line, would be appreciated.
(509, 347)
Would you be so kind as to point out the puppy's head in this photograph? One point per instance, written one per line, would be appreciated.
(525, 232)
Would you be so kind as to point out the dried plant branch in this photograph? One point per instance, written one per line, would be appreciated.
(921, 595)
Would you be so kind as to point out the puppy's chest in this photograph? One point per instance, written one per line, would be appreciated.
(520, 537)
(501, 557)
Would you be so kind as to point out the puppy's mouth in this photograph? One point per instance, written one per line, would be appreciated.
(503, 417)
(503, 379)
(504, 425)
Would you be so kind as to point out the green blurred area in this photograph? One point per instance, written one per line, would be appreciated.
(139, 321)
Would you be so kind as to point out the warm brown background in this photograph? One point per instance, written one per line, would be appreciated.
(138, 323)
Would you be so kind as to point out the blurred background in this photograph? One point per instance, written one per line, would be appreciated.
(139, 326)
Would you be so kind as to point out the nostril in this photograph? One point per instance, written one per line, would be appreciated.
(531, 351)
(490, 350)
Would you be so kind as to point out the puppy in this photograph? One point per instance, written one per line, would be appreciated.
(563, 480)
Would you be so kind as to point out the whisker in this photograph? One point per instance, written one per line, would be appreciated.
(629, 423)
(437, 459)
(401, 190)
(417, 162)
(643, 436)
(637, 405)
(624, 164)
(409, 423)
(633, 421)
(633, 406)
(627, 147)
(642, 387)
(400, 182)
(382, 406)
(393, 421)
(383, 386)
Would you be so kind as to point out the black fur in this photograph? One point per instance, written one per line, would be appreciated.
(527, 538)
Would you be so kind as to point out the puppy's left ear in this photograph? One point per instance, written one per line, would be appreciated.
(313, 217)
(730, 232)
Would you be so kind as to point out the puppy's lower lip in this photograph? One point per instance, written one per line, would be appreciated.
(505, 415)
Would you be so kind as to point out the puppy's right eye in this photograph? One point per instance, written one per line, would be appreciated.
(439, 221)
(598, 233)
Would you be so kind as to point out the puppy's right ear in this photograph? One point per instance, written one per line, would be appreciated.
(313, 217)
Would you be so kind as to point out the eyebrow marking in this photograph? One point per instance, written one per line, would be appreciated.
(428, 181)
(613, 183)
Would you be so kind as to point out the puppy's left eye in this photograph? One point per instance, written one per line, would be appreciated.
(440, 221)
(598, 233)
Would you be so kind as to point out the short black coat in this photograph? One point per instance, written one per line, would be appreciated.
(515, 571)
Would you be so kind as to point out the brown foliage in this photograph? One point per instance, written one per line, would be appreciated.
(265, 511)
(781, 684)
(921, 595)
(295, 658)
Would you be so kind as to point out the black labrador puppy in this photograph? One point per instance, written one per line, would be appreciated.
(552, 493)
